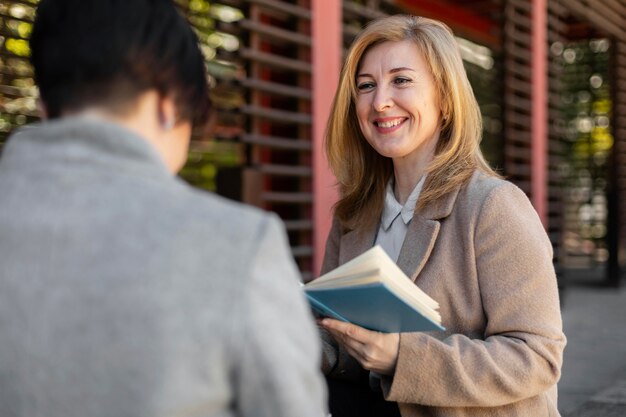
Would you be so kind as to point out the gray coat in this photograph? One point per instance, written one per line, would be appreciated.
(126, 293)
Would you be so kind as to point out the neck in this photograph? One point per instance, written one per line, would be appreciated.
(408, 171)
(405, 182)
(142, 118)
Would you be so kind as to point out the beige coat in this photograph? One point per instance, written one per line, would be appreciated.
(483, 254)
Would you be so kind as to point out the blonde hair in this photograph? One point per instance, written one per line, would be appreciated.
(361, 172)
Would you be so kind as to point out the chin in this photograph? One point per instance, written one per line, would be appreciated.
(391, 153)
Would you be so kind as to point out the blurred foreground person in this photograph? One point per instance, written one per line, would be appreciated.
(124, 292)
(403, 140)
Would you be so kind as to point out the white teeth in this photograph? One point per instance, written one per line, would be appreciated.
(389, 124)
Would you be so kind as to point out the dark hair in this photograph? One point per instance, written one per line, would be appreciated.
(107, 52)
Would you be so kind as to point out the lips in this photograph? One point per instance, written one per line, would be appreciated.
(388, 124)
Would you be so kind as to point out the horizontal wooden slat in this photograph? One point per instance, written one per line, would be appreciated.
(517, 53)
(301, 251)
(21, 111)
(519, 37)
(520, 104)
(275, 60)
(287, 197)
(298, 225)
(361, 11)
(13, 72)
(285, 7)
(349, 33)
(286, 170)
(280, 116)
(520, 71)
(592, 15)
(277, 142)
(556, 24)
(520, 121)
(276, 88)
(9, 90)
(7, 18)
(275, 32)
(617, 6)
(521, 170)
(517, 152)
(523, 7)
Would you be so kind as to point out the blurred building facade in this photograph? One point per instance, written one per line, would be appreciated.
(550, 77)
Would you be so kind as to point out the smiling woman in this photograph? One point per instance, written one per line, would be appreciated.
(398, 110)
(403, 140)
(458, 152)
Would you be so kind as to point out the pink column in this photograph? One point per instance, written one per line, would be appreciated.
(539, 127)
(326, 56)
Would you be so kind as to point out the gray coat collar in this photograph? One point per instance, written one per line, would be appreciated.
(72, 141)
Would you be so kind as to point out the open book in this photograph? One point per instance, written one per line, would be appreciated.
(373, 292)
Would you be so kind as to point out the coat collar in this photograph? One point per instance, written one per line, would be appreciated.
(83, 140)
(420, 238)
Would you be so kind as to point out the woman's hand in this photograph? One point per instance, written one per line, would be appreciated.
(375, 351)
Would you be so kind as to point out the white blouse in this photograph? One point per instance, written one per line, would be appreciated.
(391, 232)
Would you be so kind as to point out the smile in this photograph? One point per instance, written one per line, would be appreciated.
(389, 123)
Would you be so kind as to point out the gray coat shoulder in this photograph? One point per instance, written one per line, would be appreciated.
(214, 224)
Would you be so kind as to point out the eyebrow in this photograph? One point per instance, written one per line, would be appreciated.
(391, 71)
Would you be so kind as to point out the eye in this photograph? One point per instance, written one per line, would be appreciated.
(401, 81)
(365, 86)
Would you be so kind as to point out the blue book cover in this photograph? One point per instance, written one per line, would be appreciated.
(372, 291)
(372, 306)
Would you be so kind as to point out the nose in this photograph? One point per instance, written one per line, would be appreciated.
(382, 99)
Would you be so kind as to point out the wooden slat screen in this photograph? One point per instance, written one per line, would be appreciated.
(17, 88)
(517, 88)
(259, 60)
(556, 132)
(517, 110)
(275, 127)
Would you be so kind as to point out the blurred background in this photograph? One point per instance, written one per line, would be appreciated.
(550, 77)
(259, 56)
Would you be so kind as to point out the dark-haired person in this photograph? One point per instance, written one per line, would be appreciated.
(406, 119)
(123, 291)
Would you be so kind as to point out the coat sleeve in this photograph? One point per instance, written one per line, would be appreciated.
(276, 368)
(331, 253)
(336, 362)
(520, 354)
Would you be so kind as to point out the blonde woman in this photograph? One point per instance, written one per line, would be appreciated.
(403, 141)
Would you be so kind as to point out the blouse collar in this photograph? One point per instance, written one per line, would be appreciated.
(392, 208)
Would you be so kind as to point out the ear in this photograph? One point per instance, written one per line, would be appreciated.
(167, 112)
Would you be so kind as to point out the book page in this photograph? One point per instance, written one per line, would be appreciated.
(373, 266)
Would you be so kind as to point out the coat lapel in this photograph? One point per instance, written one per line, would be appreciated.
(422, 234)
(355, 243)
(418, 243)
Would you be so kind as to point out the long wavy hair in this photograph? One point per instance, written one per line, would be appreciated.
(361, 172)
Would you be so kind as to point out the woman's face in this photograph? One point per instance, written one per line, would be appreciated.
(397, 104)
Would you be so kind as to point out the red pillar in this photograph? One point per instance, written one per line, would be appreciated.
(326, 56)
(539, 127)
